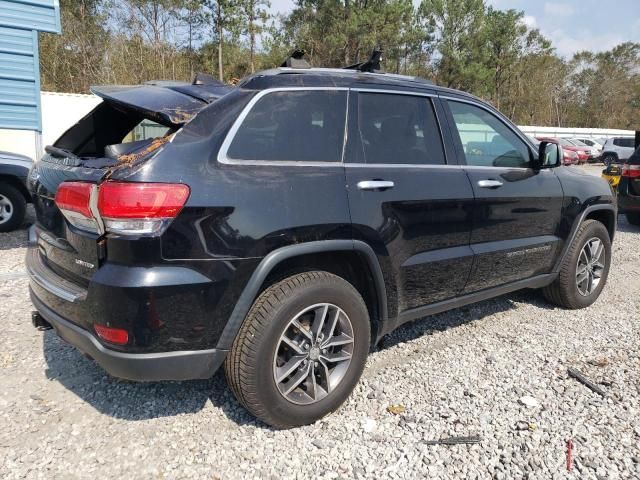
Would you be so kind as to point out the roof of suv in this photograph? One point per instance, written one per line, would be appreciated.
(338, 77)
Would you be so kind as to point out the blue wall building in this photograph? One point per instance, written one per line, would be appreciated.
(20, 22)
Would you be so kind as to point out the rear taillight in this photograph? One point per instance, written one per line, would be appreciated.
(121, 208)
(140, 208)
(74, 201)
(632, 171)
(118, 336)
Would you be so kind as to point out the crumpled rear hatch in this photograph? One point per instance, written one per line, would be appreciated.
(105, 140)
(163, 105)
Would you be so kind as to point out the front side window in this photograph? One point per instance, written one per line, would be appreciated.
(400, 129)
(486, 140)
(305, 126)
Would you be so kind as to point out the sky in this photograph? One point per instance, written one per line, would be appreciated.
(571, 25)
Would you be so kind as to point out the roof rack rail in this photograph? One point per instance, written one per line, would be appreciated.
(372, 65)
(296, 60)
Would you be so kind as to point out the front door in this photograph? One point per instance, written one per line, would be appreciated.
(406, 199)
(518, 209)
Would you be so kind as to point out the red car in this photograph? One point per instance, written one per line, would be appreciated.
(569, 157)
(583, 154)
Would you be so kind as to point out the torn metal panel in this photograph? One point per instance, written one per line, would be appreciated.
(163, 105)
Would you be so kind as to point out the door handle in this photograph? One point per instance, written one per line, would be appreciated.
(375, 184)
(489, 183)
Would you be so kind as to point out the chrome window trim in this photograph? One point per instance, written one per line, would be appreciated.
(224, 148)
(404, 165)
(397, 92)
(504, 120)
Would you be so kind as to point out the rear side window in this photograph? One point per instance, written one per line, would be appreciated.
(624, 142)
(400, 129)
(305, 126)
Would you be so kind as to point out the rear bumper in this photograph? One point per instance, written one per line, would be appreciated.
(179, 365)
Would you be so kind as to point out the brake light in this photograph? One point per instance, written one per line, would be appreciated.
(74, 201)
(118, 336)
(632, 171)
(140, 208)
(121, 208)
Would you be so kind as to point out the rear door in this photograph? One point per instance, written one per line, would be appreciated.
(408, 197)
(517, 211)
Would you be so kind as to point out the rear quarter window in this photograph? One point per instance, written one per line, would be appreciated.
(624, 142)
(306, 126)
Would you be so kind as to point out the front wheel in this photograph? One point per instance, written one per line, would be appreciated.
(584, 269)
(609, 159)
(301, 350)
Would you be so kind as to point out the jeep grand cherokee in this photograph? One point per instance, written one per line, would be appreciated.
(282, 227)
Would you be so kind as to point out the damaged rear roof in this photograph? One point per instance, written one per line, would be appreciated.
(169, 103)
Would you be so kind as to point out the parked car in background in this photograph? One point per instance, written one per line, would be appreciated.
(617, 149)
(629, 188)
(569, 157)
(593, 150)
(280, 234)
(592, 142)
(583, 153)
(14, 195)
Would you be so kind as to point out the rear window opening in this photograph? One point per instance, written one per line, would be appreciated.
(113, 134)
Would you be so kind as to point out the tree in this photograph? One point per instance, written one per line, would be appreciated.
(225, 18)
(508, 40)
(255, 15)
(74, 60)
(460, 39)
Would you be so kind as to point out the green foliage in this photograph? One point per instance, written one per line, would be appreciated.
(463, 44)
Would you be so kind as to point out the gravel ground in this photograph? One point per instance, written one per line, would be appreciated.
(460, 373)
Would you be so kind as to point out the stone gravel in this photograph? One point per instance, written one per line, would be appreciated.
(466, 372)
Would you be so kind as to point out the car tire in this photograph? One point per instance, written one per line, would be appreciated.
(13, 207)
(609, 158)
(567, 291)
(263, 366)
(633, 218)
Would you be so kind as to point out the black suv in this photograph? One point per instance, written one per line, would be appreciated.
(284, 226)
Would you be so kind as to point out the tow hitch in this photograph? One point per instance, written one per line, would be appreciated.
(39, 322)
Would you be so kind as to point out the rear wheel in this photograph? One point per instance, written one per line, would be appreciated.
(633, 218)
(12, 208)
(301, 349)
(609, 158)
(584, 270)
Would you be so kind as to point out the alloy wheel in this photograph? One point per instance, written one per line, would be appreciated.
(590, 267)
(313, 354)
(6, 209)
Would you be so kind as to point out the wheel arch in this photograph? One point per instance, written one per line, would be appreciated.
(17, 184)
(604, 213)
(315, 256)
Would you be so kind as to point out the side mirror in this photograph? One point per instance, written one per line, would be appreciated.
(549, 155)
